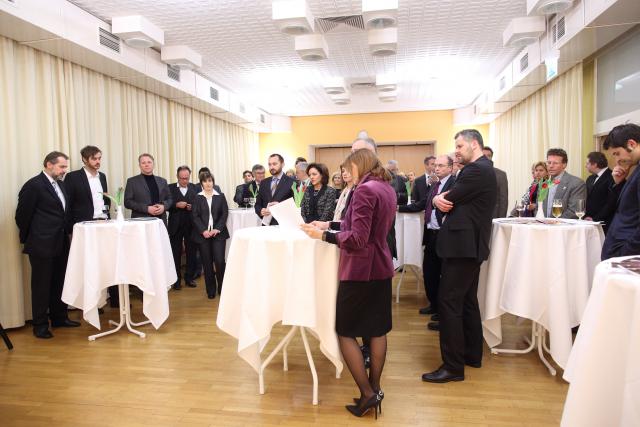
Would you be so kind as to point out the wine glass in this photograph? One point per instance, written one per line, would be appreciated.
(252, 202)
(556, 208)
(520, 208)
(580, 208)
(245, 202)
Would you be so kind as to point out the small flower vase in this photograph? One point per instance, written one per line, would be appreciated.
(119, 214)
(540, 211)
(409, 200)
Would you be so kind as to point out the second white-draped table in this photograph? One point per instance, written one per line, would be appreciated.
(542, 272)
(409, 230)
(603, 368)
(237, 220)
(280, 275)
(105, 253)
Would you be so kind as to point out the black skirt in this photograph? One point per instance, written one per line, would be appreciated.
(363, 309)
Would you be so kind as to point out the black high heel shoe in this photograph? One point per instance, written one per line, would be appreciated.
(360, 410)
(380, 393)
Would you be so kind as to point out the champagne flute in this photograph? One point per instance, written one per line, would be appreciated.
(245, 202)
(580, 208)
(252, 201)
(556, 208)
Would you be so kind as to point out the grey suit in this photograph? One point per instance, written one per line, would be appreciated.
(569, 190)
(137, 196)
(502, 201)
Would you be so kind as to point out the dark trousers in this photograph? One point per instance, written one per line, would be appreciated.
(183, 234)
(431, 267)
(460, 326)
(47, 280)
(212, 252)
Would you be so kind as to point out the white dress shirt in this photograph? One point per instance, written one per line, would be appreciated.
(183, 190)
(433, 222)
(96, 194)
(58, 191)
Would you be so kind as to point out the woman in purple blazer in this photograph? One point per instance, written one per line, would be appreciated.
(363, 307)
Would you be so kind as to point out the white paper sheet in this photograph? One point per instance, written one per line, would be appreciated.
(287, 214)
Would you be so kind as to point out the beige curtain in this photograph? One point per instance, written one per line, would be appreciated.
(47, 103)
(550, 118)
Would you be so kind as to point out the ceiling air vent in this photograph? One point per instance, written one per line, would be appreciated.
(340, 24)
(109, 40)
(524, 62)
(173, 72)
(262, 119)
(562, 29)
(213, 93)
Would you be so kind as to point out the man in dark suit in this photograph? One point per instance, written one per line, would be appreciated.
(463, 244)
(623, 237)
(183, 193)
(85, 188)
(431, 264)
(250, 189)
(398, 183)
(421, 185)
(502, 202)
(147, 195)
(42, 218)
(238, 197)
(275, 189)
(599, 185)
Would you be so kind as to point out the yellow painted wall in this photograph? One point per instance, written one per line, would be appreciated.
(342, 129)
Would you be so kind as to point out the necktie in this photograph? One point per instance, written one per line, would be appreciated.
(274, 184)
(59, 193)
(429, 207)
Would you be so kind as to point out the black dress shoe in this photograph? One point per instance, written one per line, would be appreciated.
(191, 284)
(66, 323)
(427, 310)
(211, 296)
(176, 286)
(43, 333)
(435, 317)
(441, 375)
(476, 365)
(100, 311)
(433, 326)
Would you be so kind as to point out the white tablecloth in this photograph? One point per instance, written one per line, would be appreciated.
(540, 272)
(239, 219)
(604, 366)
(409, 231)
(106, 253)
(275, 275)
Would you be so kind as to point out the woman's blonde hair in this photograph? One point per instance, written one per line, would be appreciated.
(367, 162)
(333, 177)
(544, 166)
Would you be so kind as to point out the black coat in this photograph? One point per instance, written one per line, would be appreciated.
(200, 217)
(466, 229)
(41, 218)
(320, 209)
(420, 190)
(282, 193)
(80, 199)
(398, 184)
(597, 196)
(180, 218)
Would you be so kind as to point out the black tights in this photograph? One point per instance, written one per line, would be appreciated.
(353, 358)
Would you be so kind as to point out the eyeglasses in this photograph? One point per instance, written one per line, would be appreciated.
(441, 165)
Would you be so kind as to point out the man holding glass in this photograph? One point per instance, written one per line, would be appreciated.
(565, 190)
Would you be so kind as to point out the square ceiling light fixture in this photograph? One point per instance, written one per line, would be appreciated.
(379, 13)
(341, 99)
(312, 47)
(547, 7)
(386, 83)
(335, 86)
(389, 96)
(292, 17)
(182, 57)
(383, 41)
(137, 31)
(523, 31)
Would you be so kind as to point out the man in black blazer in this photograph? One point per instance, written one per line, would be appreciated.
(599, 186)
(463, 244)
(86, 202)
(238, 197)
(42, 218)
(623, 237)
(398, 183)
(147, 195)
(275, 189)
(183, 193)
(250, 190)
(421, 185)
(431, 264)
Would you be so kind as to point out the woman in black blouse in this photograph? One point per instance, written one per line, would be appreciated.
(319, 200)
(209, 214)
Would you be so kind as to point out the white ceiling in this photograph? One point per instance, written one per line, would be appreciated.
(448, 50)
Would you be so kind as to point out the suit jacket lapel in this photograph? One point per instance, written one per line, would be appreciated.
(87, 186)
(51, 190)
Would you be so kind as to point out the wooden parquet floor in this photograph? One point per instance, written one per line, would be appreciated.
(188, 374)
